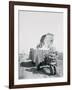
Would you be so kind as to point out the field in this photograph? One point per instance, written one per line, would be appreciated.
(28, 71)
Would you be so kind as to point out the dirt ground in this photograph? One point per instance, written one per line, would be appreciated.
(28, 71)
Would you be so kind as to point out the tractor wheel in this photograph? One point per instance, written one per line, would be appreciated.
(52, 70)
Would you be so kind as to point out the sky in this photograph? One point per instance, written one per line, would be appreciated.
(33, 24)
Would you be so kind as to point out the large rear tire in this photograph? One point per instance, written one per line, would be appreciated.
(52, 70)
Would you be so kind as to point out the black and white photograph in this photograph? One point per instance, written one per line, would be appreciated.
(39, 44)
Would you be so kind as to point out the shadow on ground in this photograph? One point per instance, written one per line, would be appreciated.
(30, 67)
(26, 64)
